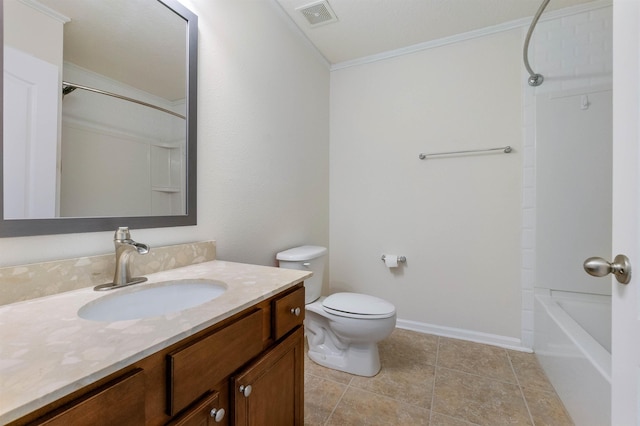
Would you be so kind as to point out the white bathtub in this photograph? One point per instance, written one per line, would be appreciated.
(573, 344)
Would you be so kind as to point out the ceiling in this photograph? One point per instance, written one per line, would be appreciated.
(370, 27)
(101, 34)
(111, 39)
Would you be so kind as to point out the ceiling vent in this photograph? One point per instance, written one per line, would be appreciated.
(318, 13)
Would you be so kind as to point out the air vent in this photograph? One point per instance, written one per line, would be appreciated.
(318, 13)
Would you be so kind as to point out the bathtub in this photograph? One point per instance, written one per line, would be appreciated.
(572, 342)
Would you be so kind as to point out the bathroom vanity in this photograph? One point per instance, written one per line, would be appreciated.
(237, 359)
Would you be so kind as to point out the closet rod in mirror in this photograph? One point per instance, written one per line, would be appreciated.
(68, 87)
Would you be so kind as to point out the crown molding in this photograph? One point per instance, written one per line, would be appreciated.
(483, 32)
(34, 4)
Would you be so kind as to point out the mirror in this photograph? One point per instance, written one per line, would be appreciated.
(99, 115)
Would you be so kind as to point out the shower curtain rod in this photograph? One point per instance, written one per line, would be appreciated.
(506, 149)
(66, 90)
(534, 79)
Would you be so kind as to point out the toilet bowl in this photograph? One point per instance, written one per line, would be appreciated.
(343, 329)
(348, 340)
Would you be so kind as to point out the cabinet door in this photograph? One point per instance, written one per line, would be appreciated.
(120, 402)
(270, 390)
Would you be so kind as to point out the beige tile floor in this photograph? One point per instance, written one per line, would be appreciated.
(431, 380)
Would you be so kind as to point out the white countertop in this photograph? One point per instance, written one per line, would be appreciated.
(47, 351)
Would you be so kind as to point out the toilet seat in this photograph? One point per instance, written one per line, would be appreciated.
(356, 305)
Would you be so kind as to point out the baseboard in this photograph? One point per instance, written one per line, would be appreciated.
(459, 333)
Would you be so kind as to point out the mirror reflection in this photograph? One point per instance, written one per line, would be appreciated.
(95, 105)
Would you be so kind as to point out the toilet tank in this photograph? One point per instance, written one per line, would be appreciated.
(306, 258)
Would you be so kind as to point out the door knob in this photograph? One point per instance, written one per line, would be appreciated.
(620, 267)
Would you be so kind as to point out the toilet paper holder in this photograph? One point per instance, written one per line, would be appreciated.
(401, 259)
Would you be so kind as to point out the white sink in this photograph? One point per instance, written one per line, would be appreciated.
(152, 300)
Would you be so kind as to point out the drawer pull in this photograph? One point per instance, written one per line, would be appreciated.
(245, 390)
(217, 414)
(295, 311)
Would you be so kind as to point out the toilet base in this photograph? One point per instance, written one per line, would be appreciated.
(359, 359)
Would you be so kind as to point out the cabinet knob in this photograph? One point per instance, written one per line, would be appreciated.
(245, 390)
(295, 311)
(217, 414)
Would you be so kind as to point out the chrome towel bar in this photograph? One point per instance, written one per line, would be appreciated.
(505, 149)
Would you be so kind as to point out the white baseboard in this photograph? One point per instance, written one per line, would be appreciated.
(458, 333)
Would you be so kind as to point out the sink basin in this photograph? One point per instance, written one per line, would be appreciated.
(152, 300)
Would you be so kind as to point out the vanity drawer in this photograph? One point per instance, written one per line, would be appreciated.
(195, 369)
(288, 312)
(119, 402)
(205, 412)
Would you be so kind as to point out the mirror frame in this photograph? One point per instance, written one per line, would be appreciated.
(29, 227)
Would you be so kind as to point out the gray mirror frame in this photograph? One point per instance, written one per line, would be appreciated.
(29, 227)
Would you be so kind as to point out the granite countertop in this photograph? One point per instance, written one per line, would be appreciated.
(47, 351)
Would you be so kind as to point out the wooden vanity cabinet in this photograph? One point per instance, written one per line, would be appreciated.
(196, 381)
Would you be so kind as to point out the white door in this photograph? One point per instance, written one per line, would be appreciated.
(625, 396)
(31, 94)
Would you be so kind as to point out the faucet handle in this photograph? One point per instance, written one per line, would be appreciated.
(122, 233)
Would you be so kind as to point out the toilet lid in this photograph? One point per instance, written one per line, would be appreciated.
(358, 305)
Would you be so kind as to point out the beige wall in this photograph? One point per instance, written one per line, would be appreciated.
(456, 219)
(263, 168)
(262, 144)
(45, 44)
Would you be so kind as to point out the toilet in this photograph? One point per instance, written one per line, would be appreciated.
(343, 329)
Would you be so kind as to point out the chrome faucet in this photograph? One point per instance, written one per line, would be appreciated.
(125, 247)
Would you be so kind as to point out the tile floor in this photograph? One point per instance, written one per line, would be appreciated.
(431, 380)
